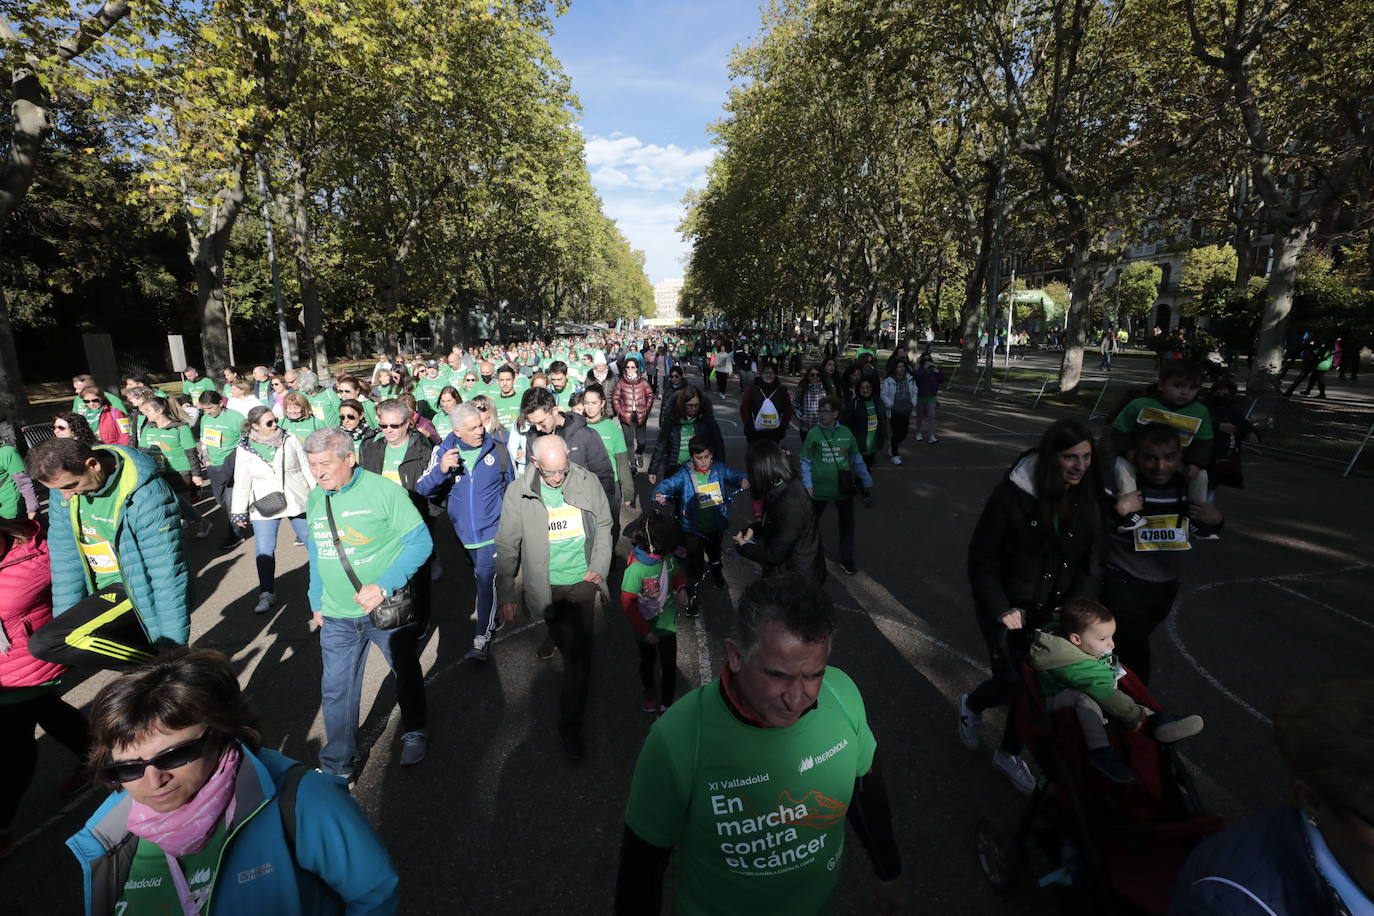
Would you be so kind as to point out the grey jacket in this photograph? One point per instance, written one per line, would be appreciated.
(522, 543)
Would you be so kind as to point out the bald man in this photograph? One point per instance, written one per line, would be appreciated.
(556, 533)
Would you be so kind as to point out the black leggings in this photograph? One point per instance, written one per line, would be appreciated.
(1139, 606)
(662, 657)
(701, 549)
(17, 721)
(1001, 687)
(900, 423)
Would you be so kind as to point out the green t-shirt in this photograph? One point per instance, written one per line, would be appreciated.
(613, 437)
(1192, 420)
(507, 408)
(562, 397)
(757, 815)
(10, 464)
(95, 536)
(392, 457)
(688, 430)
(373, 516)
(149, 888)
(470, 456)
(220, 435)
(567, 538)
(193, 389)
(301, 428)
(93, 415)
(829, 451)
(427, 390)
(324, 405)
(633, 580)
(168, 446)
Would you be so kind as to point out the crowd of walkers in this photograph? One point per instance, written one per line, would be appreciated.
(530, 454)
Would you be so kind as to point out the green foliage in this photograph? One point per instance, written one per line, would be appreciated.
(1208, 280)
(1133, 294)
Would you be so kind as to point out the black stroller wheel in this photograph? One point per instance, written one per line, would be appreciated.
(998, 856)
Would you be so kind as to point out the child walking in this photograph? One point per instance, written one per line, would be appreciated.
(652, 590)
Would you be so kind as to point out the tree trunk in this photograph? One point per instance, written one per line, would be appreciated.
(14, 400)
(1273, 331)
(972, 311)
(206, 252)
(298, 224)
(1075, 320)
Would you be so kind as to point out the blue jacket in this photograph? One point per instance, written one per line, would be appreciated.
(147, 545)
(474, 498)
(1261, 865)
(336, 849)
(681, 488)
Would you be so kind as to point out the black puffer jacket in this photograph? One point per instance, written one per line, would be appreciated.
(668, 446)
(1016, 559)
(787, 542)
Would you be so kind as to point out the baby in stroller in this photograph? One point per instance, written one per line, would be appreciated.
(1076, 669)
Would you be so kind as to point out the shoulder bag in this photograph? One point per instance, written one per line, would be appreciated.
(393, 612)
(274, 503)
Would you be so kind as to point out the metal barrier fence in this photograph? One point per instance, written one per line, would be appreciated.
(1326, 431)
(35, 434)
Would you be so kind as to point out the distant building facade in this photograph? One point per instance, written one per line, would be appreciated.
(666, 295)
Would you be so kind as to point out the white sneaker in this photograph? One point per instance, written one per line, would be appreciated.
(1016, 770)
(920, 438)
(970, 725)
(933, 440)
(264, 605)
(896, 459)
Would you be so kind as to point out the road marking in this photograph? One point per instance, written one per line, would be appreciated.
(959, 416)
(1321, 604)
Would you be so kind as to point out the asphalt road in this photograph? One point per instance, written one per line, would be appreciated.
(496, 821)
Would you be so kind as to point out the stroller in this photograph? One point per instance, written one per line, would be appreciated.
(1101, 847)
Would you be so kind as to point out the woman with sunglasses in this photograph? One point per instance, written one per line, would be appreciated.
(353, 420)
(110, 423)
(350, 389)
(277, 390)
(30, 689)
(169, 439)
(201, 810)
(71, 425)
(271, 483)
(295, 416)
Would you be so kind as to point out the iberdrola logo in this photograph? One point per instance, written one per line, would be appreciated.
(806, 764)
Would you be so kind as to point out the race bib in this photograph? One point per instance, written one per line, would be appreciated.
(100, 555)
(123, 425)
(393, 476)
(872, 422)
(767, 416)
(709, 495)
(1163, 532)
(317, 411)
(1187, 426)
(565, 524)
(213, 438)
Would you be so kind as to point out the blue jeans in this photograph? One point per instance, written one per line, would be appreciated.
(343, 649)
(484, 567)
(265, 543)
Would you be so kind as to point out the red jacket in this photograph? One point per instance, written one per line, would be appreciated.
(25, 605)
(633, 397)
(112, 427)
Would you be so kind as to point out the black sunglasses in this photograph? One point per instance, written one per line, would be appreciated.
(349, 416)
(91, 400)
(176, 756)
(392, 425)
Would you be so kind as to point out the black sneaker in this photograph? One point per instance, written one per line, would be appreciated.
(718, 577)
(547, 649)
(1106, 762)
(849, 570)
(573, 746)
(230, 542)
(1132, 522)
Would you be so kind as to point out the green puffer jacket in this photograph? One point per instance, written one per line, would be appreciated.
(1062, 665)
(147, 544)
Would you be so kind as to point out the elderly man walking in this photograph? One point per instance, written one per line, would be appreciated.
(473, 470)
(556, 533)
(367, 540)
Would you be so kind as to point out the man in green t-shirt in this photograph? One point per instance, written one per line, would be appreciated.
(195, 383)
(556, 533)
(750, 778)
(830, 462)
(220, 431)
(385, 541)
(506, 399)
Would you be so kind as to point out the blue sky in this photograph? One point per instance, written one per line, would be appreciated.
(651, 75)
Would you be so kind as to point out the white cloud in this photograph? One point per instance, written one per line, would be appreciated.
(630, 162)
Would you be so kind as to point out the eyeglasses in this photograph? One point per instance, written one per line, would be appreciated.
(91, 400)
(348, 416)
(176, 756)
(480, 408)
(392, 425)
(549, 473)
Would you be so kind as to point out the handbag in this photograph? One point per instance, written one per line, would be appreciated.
(274, 503)
(393, 612)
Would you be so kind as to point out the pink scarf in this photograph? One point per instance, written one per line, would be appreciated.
(188, 829)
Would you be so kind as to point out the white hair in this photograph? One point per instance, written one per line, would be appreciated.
(333, 440)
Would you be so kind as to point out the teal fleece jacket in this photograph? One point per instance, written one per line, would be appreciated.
(1062, 666)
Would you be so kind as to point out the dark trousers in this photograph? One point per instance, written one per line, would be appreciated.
(344, 642)
(1001, 686)
(662, 657)
(570, 618)
(702, 547)
(900, 423)
(845, 507)
(17, 721)
(635, 437)
(221, 479)
(1139, 606)
(722, 379)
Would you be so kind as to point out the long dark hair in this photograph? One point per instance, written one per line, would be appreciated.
(81, 429)
(1055, 498)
